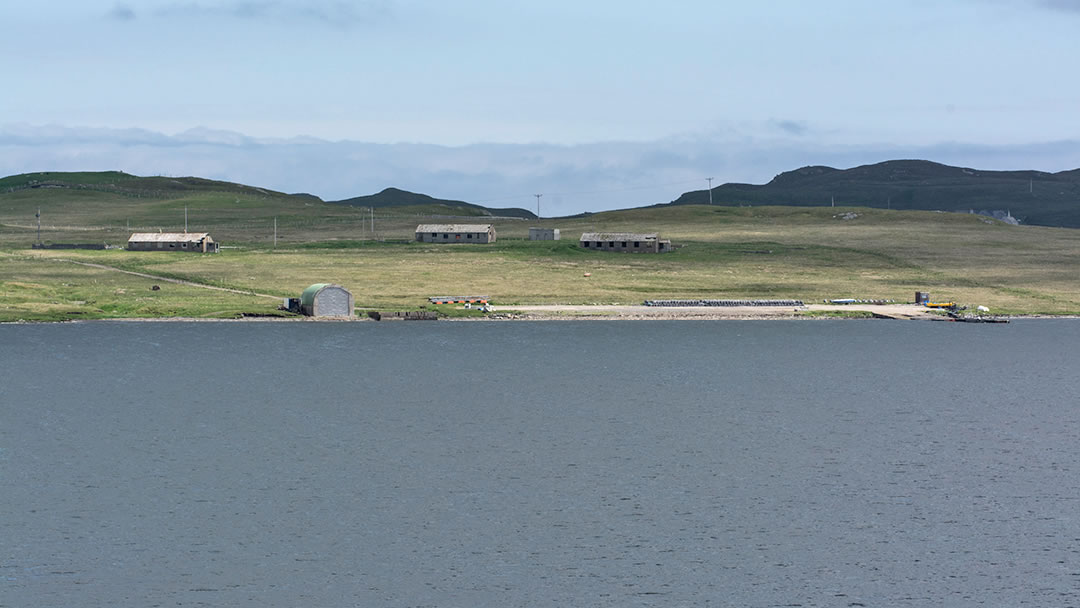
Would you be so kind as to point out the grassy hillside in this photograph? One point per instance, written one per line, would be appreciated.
(108, 206)
(1034, 197)
(809, 253)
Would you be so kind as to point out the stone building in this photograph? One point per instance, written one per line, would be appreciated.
(543, 234)
(172, 241)
(626, 242)
(455, 233)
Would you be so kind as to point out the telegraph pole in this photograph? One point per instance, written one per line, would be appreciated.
(38, 216)
(538, 205)
(709, 179)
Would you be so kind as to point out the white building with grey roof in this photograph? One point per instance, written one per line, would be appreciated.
(625, 242)
(455, 233)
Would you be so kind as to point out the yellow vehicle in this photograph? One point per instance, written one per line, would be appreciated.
(940, 304)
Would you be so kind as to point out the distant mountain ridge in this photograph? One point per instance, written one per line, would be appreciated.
(126, 184)
(1033, 197)
(393, 197)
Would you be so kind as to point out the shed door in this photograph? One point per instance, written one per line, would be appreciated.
(332, 303)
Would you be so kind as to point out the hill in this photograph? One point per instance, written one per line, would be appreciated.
(393, 197)
(122, 183)
(82, 189)
(1033, 197)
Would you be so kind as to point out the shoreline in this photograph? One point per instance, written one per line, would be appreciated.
(612, 312)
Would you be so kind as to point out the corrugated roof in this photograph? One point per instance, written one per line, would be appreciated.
(168, 237)
(619, 236)
(453, 227)
(307, 298)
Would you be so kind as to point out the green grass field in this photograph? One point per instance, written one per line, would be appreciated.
(805, 253)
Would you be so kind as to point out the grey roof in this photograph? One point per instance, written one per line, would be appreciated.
(168, 237)
(620, 236)
(453, 227)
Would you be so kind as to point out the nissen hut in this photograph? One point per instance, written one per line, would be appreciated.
(326, 300)
(455, 233)
(628, 242)
(172, 241)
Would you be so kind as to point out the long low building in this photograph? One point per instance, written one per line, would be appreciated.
(455, 233)
(172, 241)
(626, 242)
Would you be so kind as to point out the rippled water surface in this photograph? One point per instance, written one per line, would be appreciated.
(722, 463)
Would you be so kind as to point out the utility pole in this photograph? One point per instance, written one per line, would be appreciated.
(538, 205)
(372, 222)
(832, 201)
(185, 219)
(275, 231)
(38, 216)
(709, 179)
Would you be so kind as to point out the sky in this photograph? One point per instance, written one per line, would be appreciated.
(595, 104)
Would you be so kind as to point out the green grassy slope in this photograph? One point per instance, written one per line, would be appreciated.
(1034, 197)
(108, 206)
(807, 253)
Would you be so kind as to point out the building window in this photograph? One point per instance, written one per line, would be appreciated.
(637, 244)
(624, 243)
(611, 244)
(584, 243)
(446, 236)
(183, 245)
(434, 234)
(468, 236)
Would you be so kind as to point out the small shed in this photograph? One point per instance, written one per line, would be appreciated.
(455, 233)
(626, 242)
(326, 300)
(543, 234)
(172, 241)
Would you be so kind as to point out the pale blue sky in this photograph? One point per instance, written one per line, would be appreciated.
(599, 97)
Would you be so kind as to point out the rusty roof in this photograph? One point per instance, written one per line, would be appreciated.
(168, 237)
(453, 227)
(619, 236)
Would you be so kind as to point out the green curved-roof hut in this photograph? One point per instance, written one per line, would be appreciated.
(326, 300)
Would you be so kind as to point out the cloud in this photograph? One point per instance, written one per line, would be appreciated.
(573, 179)
(338, 14)
(1061, 5)
(121, 12)
(792, 127)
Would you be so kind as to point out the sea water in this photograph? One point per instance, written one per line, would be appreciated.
(602, 463)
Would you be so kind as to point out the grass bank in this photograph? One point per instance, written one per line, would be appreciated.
(721, 252)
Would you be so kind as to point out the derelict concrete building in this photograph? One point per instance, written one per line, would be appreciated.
(543, 234)
(172, 241)
(326, 300)
(626, 242)
(455, 233)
